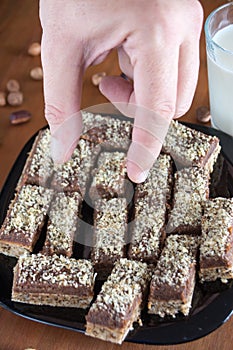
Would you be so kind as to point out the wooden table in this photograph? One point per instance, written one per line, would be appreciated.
(19, 26)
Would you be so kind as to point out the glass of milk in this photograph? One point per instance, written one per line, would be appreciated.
(219, 48)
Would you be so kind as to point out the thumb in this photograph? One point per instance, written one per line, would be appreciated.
(63, 73)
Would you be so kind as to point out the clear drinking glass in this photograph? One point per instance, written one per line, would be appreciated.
(219, 48)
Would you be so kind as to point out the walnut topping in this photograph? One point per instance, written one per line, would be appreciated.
(46, 271)
(28, 211)
(150, 210)
(62, 224)
(190, 146)
(110, 227)
(158, 178)
(174, 263)
(217, 225)
(41, 161)
(191, 191)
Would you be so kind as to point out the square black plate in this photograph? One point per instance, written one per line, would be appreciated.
(212, 304)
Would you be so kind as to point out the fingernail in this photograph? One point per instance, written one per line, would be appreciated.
(142, 176)
(135, 173)
(59, 153)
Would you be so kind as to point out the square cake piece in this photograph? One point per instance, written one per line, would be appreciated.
(119, 303)
(109, 178)
(151, 202)
(112, 133)
(173, 279)
(38, 168)
(189, 147)
(74, 175)
(216, 250)
(191, 190)
(110, 229)
(62, 223)
(53, 280)
(24, 220)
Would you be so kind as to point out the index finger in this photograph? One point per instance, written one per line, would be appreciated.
(155, 88)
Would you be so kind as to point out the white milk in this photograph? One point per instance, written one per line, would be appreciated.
(220, 76)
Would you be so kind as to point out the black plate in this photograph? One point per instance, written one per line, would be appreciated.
(213, 302)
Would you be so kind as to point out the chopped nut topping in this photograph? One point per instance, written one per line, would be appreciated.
(150, 211)
(110, 229)
(191, 147)
(190, 192)
(27, 212)
(62, 223)
(217, 223)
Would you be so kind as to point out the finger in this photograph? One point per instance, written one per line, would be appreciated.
(124, 62)
(187, 76)
(63, 72)
(155, 87)
(120, 92)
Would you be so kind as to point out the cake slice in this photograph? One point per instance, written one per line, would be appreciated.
(191, 190)
(109, 178)
(216, 250)
(119, 303)
(110, 229)
(24, 220)
(189, 147)
(62, 223)
(53, 280)
(152, 198)
(173, 279)
(38, 168)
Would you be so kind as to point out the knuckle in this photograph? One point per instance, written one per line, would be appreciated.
(166, 110)
(53, 114)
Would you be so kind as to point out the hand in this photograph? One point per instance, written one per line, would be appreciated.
(158, 48)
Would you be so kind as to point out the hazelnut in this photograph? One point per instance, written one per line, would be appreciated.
(20, 117)
(203, 114)
(34, 49)
(36, 73)
(2, 98)
(96, 78)
(12, 85)
(15, 98)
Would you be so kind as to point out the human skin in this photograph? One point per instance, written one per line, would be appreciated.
(158, 49)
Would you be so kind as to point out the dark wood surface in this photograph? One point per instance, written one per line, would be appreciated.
(20, 26)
